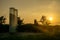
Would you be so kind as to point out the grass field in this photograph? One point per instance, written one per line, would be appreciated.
(32, 32)
(28, 36)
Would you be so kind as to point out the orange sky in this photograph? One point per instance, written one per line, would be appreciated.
(32, 9)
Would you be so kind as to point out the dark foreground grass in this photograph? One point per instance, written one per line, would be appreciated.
(27, 36)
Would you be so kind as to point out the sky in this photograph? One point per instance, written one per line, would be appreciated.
(32, 9)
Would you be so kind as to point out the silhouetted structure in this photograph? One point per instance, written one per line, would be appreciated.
(13, 19)
(35, 22)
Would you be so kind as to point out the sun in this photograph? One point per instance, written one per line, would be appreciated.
(50, 18)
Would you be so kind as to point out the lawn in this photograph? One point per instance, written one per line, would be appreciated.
(28, 36)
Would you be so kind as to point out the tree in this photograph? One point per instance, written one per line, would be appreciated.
(44, 20)
(20, 21)
(2, 20)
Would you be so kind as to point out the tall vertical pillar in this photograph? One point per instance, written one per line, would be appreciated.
(16, 16)
(13, 19)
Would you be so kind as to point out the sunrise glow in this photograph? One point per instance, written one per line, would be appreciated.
(50, 18)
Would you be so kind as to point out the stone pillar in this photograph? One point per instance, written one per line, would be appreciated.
(13, 20)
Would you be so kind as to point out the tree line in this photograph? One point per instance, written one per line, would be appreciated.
(25, 27)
